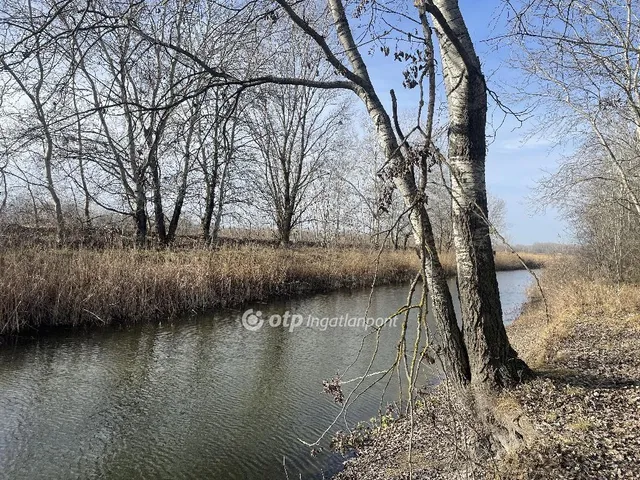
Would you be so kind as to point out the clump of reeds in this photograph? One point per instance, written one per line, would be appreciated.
(48, 287)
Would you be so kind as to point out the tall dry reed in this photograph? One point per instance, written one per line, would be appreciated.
(48, 287)
(42, 288)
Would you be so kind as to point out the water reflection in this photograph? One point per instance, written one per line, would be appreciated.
(201, 399)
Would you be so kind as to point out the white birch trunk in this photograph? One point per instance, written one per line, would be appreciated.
(492, 360)
(453, 352)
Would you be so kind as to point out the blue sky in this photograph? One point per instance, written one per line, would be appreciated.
(514, 164)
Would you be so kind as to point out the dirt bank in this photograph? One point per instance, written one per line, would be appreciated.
(583, 410)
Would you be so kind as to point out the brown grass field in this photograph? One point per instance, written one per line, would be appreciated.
(42, 288)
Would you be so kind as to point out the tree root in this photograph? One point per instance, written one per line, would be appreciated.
(503, 427)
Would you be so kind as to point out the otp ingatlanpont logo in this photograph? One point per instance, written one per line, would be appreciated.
(252, 321)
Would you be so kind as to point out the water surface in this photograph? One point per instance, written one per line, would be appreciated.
(203, 398)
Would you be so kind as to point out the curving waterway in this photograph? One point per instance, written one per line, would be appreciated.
(202, 398)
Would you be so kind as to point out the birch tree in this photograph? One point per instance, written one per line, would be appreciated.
(492, 360)
(482, 356)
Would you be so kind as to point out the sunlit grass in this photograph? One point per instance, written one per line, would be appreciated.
(49, 287)
(53, 287)
(572, 296)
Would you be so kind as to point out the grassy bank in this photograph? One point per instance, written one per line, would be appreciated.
(48, 287)
(580, 417)
(585, 405)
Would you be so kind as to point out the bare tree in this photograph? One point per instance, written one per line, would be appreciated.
(582, 65)
(219, 142)
(33, 73)
(149, 111)
(497, 218)
(295, 128)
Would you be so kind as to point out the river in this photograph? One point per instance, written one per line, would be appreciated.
(201, 398)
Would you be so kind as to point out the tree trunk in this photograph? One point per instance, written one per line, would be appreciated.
(207, 215)
(284, 229)
(158, 211)
(140, 215)
(492, 361)
(51, 186)
(177, 209)
(211, 181)
(453, 355)
(213, 238)
(206, 223)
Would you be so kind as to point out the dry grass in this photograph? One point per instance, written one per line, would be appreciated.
(584, 404)
(572, 297)
(42, 288)
(48, 287)
(505, 261)
(509, 261)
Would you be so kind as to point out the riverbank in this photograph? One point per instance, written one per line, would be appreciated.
(581, 415)
(45, 288)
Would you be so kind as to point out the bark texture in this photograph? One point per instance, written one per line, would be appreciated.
(492, 361)
(453, 354)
